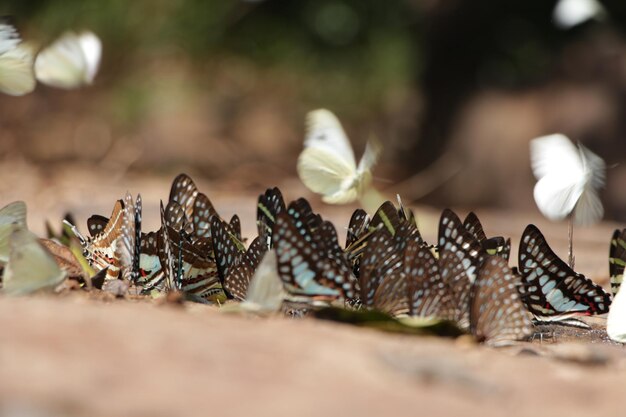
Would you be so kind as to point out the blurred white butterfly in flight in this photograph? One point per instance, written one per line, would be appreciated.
(327, 165)
(16, 62)
(568, 179)
(69, 62)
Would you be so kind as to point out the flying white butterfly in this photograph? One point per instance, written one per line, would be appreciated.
(31, 267)
(16, 62)
(568, 179)
(10, 215)
(69, 62)
(327, 165)
(616, 320)
(569, 13)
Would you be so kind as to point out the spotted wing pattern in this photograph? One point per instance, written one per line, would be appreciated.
(228, 251)
(238, 279)
(382, 256)
(269, 206)
(550, 287)
(497, 314)
(305, 267)
(428, 295)
(460, 257)
(617, 259)
(184, 192)
(493, 246)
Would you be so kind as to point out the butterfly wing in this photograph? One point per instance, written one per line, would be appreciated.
(427, 294)
(16, 70)
(62, 64)
(238, 279)
(30, 267)
(497, 315)
(617, 259)
(9, 36)
(10, 215)
(550, 287)
(327, 165)
(269, 206)
(184, 192)
(568, 178)
(460, 256)
(92, 51)
(493, 246)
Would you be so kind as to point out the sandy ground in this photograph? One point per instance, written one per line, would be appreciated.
(75, 355)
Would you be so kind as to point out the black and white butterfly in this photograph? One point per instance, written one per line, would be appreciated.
(551, 289)
(237, 281)
(269, 206)
(460, 258)
(493, 246)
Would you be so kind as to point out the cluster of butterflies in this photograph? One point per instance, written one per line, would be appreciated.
(297, 261)
(70, 61)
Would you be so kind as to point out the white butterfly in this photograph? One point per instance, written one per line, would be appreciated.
(11, 214)
(569, 177)
(31, 267)
(616, 320)
(266, 292)
(327, 165)
(16, 62)
(569, 13)
(69, 62)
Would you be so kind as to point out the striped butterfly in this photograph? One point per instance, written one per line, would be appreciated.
(327, 165)
(187, 268)
(16, 61)
(312, 264)
(551, 289)
(69, 62)
(493, 246)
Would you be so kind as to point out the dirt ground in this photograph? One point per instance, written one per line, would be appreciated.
(76, 355)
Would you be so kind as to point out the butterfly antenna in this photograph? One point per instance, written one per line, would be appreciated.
(74, 229)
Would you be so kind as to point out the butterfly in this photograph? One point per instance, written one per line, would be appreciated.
(327, 165)
(382, 256)
(69, 62)
(128, 244)
(16, 61)
(568, 179)
(310, 260)
(493, 246)
(186, 268)
(12, 214)
(551, 289)
(570, 13)
(496, 314)
(237, 281)
(617, 259)
(266, 291)
(30, 266)
(460, 258)
(269, 206)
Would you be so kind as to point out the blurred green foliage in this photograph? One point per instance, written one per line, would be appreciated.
(337, 51)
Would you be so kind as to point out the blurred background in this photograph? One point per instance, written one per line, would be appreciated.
(454, 89)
